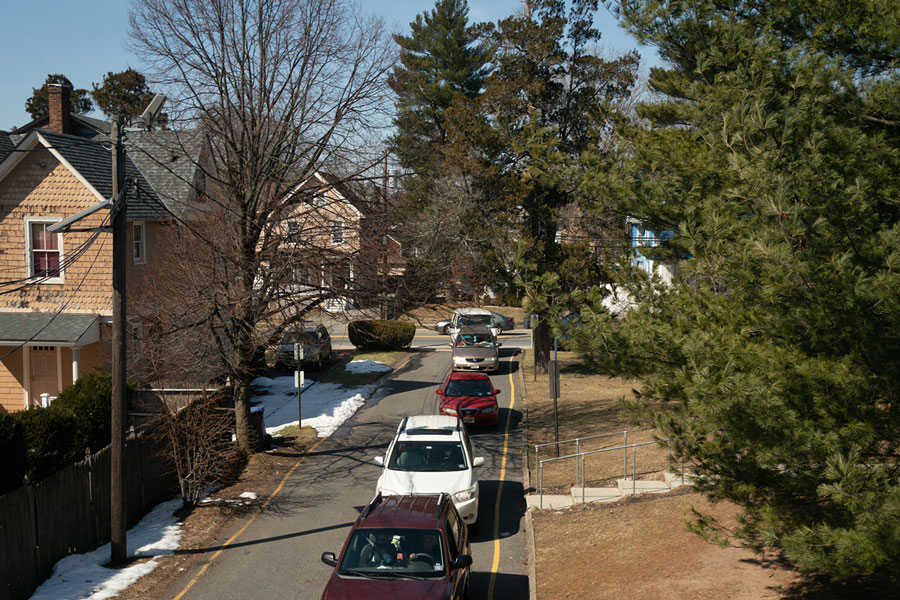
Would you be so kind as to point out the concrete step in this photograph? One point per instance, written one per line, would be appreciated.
(548, 501)
(607, 494)
(628, 487)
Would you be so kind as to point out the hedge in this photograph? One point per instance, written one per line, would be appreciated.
(14, 464)
(381, 335)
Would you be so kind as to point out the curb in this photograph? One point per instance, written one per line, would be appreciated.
(531, 555)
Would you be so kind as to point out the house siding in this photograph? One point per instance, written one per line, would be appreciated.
(12, 396)
(41, 186)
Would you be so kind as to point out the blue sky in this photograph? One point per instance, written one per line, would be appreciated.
(84, 40)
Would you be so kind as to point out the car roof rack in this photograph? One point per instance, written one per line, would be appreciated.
(402, 424)
(437, 510)
(372, 504)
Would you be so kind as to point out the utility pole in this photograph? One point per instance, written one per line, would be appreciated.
(384, 241)
(117, 514)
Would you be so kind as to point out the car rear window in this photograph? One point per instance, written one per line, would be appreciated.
(475, 320)
(468, 387)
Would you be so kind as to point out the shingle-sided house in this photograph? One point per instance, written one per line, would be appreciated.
(344, 240)
(56, 308)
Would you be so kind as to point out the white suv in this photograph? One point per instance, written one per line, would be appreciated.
(431, 454)
(471, 316)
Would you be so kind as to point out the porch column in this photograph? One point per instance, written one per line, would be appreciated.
(76, 357)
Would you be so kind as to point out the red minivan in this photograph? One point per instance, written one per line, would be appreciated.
(413, 546)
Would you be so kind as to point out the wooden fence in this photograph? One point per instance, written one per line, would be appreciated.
(68, 513)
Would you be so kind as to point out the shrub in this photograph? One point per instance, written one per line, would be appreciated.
(88, 401)
(12, 448)
(381, 335)
(50, 440)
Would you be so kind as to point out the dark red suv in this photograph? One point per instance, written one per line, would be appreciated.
(403, 547)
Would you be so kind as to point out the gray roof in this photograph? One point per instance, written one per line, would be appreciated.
(92, 158)
(169, 160)
(48, 328)
(6, 145)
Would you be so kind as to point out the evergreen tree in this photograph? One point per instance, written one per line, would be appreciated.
(549, 101)
(125, 93)
(771, 362)
(440, 60)
(36, 105)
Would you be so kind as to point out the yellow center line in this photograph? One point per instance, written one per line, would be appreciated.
(496, 562)
(247, 524)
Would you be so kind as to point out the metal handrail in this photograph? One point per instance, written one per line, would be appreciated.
(582, 455)
(578, 441)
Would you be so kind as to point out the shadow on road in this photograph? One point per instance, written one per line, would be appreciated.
(276, 538)
(506, 586)
(512, 507)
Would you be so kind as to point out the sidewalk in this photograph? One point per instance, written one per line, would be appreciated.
(623, 488)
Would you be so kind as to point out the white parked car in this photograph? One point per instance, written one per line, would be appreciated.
(431, 454)
(472, 316)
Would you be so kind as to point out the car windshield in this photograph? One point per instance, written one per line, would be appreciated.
(468, 387)
(485, 320)
(474, 340)
(394, 552)
(428, 456)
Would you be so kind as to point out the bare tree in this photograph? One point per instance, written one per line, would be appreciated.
(280, 88)
(197, 441)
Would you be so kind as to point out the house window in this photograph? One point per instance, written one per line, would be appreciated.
(139, 243)
(44, 251)
(293, 231)
(337, 233)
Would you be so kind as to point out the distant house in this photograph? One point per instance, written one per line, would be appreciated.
(343, 241)
(641, 238)
(56, 307)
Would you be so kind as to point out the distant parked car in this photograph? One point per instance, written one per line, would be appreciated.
(475, 349)
(316, 346)
(503, 322)
(471, 397)
(471, 316)
(442, 326)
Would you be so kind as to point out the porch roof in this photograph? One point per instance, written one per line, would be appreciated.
(48, 329)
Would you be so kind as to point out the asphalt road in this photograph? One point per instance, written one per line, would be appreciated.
(277, 554)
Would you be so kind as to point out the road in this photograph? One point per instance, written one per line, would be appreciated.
(278, 553)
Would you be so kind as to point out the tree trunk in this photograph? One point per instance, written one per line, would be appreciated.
(541, 343)
(246, 435)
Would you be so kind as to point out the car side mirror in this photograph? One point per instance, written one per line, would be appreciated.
(378, 460)
(479, 460)
(460, 562)
(450, 344)
(496, 392)
(331, 560)
(438, 392)
(499, 344)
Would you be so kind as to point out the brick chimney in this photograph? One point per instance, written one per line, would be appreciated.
(58, 105)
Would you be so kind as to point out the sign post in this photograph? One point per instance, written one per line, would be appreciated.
(298, 381)
(554, 393)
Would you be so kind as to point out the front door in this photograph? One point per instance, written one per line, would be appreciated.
(43, 373)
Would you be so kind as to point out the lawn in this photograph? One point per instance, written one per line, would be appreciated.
(588, 407)
(640, 548)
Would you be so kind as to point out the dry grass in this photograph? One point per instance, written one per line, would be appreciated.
(588, 406)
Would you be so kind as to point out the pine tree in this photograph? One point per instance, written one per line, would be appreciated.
(79, 99)
(771, 362)
(439, 61)
(125, 93)
(549, 100)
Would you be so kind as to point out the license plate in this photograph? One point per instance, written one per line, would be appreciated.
(468, 419)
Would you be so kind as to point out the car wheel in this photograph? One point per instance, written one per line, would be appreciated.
(445, 330)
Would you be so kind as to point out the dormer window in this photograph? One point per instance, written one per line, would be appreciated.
(44, 250)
